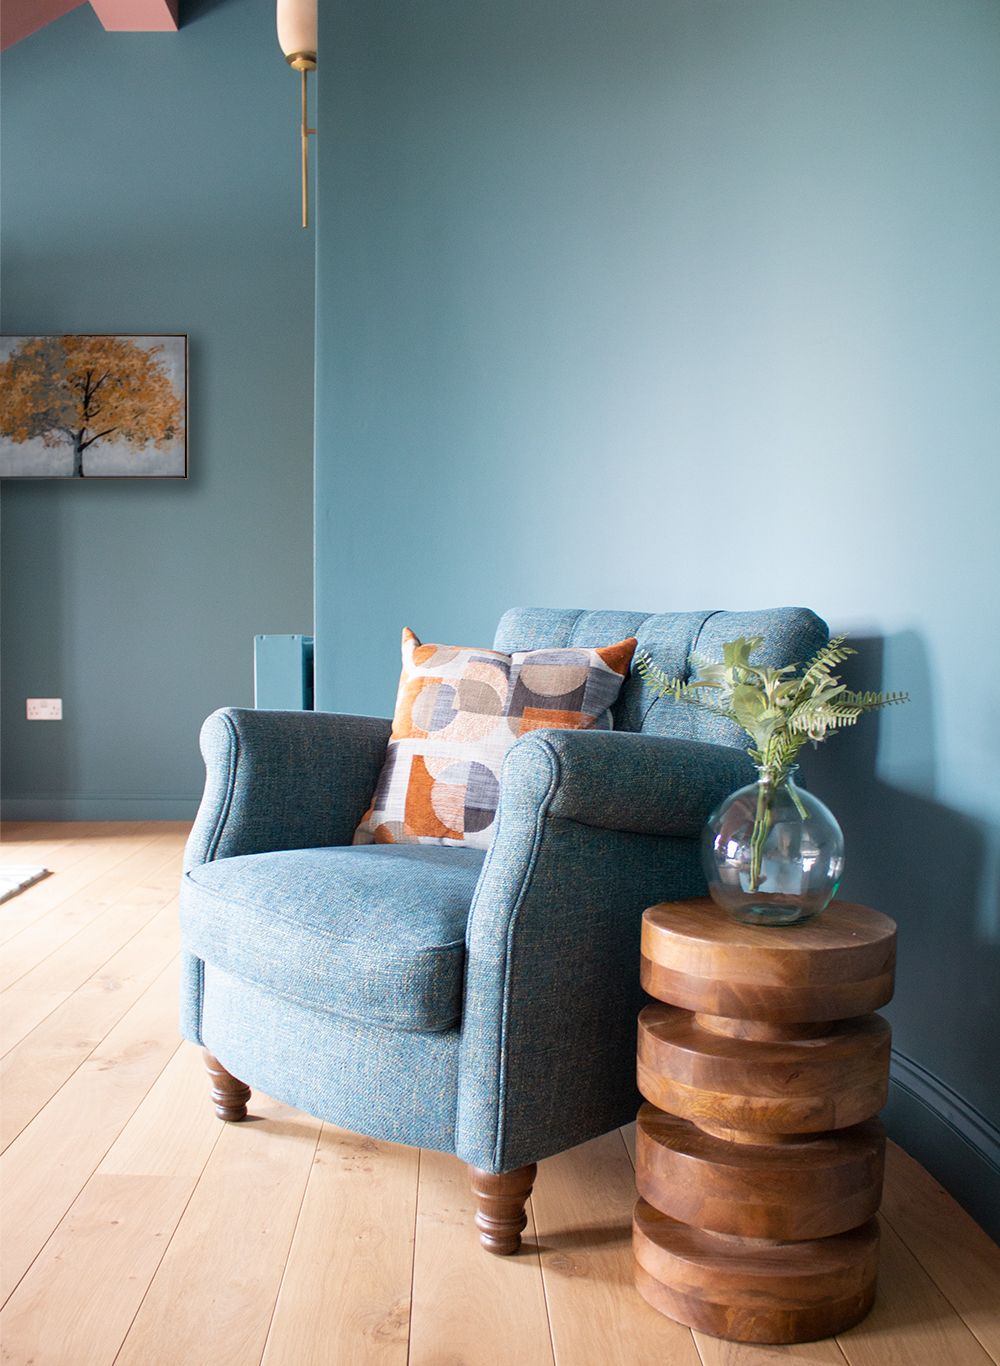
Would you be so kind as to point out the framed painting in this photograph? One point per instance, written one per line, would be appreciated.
(96, 406)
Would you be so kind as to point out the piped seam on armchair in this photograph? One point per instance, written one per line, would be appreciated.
(226, 805)
(200, 990)
(311, 1004)
(540, 823)
(319, 932)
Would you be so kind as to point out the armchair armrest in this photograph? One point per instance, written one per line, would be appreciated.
(647, 784)
(284, 780)
(592, 828)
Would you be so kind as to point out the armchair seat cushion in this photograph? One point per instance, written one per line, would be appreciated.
(373, 933)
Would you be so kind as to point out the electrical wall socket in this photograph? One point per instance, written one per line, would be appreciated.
(44, 708)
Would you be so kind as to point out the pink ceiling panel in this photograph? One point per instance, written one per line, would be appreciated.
(136, 16)
(20, 18)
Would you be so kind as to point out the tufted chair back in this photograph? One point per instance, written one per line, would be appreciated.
(791, 635)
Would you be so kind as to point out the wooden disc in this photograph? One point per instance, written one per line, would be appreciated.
(748, 1291)
(840, 964)
(808, 1187)
(790, 1086)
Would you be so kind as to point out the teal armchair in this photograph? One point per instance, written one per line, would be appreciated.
(481, 1005)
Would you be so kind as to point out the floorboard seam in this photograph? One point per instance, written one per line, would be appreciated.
(413, 1257)
(87, 924)
(113, 1026)
(87, 1178)
(291, 1241)
(940, 1289)
(142, 1298)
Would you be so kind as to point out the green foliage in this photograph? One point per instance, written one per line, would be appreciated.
(780, 709)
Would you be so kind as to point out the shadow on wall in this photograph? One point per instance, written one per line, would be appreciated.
(190, 10)
(934, 870)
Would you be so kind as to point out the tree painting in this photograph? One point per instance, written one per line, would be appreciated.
(78, 393)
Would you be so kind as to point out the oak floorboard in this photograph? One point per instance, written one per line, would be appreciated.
(75, 961)
(24, 909)
(79, 909)
(138, 889)
(912, 1323)
(34, 1069)
(213, 1294)
(48, 1164)
(23, 1011)
(7, 826)
(960, 1258)
(124, 1196)
(345, 1294)
(77, 867)
(716, 1352)
(74, 1306)
(65, 832)
(470, 1308)
(583, 1203)
(50, 854)
(52, 845)
(54, 832)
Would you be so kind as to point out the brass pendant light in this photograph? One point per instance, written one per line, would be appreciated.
(297, 23)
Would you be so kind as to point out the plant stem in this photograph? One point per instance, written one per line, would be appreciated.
(761, 829)
(800, 805)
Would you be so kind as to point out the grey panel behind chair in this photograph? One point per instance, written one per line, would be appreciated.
(283, 672)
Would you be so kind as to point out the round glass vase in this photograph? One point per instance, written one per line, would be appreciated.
(773, 854)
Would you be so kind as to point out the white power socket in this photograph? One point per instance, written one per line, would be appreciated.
(44, 708)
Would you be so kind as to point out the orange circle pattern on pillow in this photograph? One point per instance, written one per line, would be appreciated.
(458, 711)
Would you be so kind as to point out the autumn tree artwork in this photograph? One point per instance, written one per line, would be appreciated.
(79, 406)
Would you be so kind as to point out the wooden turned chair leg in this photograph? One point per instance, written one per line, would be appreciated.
(228, 1095)
(500, 1201)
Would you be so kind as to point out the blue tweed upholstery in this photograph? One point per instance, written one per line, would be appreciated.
(341, 986)
(791, 635)
(645, 784)
(373, 933)
(387, 1083)
(552, 987)
(284, 780)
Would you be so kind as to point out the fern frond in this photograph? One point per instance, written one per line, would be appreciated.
(777, 708)
(815, 723)
(698, 661)
(873, 701)
(824, 661)
(779, 754)
(709, 704)
(691, 693)
(683, 690)
(653, 675)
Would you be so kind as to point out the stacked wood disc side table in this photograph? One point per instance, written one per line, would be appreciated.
(759, 1159)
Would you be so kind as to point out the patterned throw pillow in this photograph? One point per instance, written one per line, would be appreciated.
(458, 711)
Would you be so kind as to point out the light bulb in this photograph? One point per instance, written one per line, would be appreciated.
(297, 28)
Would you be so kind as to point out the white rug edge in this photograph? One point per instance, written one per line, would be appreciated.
(16, 877)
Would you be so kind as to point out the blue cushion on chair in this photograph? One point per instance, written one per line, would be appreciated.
(373, 933)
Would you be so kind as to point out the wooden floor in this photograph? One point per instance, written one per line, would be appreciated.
(138, 1229)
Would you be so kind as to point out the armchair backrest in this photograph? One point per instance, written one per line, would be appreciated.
(791, 635)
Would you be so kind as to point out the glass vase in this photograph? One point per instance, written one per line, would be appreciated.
(773, 854)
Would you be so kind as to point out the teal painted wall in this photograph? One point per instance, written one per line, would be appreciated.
(683, 303)
(149, 183)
